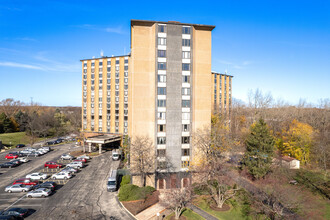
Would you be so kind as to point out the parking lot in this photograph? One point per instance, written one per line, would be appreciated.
(82, 197)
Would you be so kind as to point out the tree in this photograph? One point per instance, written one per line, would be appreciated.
(7, 123)
(22, 119)
(210, 171)
(297, 141)
(142, 157)
(259, 150)
(175, 199)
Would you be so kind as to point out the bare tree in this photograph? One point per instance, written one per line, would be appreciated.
(175, 199)
(214, 146)
(142, 157)
(10, 106)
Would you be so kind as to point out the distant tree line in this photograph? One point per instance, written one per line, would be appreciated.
(37, 120)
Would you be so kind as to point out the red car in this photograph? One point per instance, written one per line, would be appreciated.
(11, 156)
(81, 160)
(53, 165)
(26, 181)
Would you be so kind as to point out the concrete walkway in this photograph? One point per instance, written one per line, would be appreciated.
(150, 212)
(201, 212)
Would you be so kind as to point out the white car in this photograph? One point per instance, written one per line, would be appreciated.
(61, 176)
(70, 170)
(41, 192)
(18, 188)
(23, 159)
(84, 157)
(37, 176)
(75, 164)
(43, 150)
(67, 157)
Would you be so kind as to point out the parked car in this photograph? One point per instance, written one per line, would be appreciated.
(53, 165)
(26, 181)
(23, 159)
(49, 185)
(20, 145)
(84, 157)
(61, 176)
(70, 170)
(41, 192)
(67, 157)
(18, 188)
(17, 212)
(43, 150)
(50, 142)
(75, 164)
(11, 156)
(46, 149)
(115, 155)
(37, 176)
(83, 160)
(112, 181)
(34, 154)
(40, 152)
(8, 165)
(16, 161)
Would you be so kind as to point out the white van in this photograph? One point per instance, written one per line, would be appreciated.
(112, 181)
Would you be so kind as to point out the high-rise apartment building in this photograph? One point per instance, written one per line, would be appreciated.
(222, 94)
(163, 90)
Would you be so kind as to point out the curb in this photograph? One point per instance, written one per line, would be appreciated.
(122, 206)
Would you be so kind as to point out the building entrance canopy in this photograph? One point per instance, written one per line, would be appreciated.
(102, 139)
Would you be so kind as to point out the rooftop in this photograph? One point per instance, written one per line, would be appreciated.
(106, 57)
(224, 74)
(197, 26)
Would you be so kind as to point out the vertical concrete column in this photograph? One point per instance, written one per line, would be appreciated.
(100, 148)
(84, 147)
(90, 147)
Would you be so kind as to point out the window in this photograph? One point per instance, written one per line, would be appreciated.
(108, 69)
(85, 64)
(186, 42)
(108, 75)
(185, 140)
(185, 54)
(126, 80)
(185, 103)
(100, 63)
(117, 106)
(126, 86)
(161, 128)
(108, 81)
(100, 69)
(185, 91)
(117, 75)
(161, 53)
(108, 87)
(93, 70)
(161, 91)
(126, 74)
(92, 76)
(85, 76)
(117, 61)
(161, 140)
(125, 112)
(117, 81)
(161, 153)
(100, 116)
(85, 70)
(186, 79)
(185, 127)
(161, 103)
(186, 116)
(125, 105)
(161, 165)
(184, 164)
(161, 78)
(100, 81)
(161, 28)
(117, 68)
(125, 68)
(125, 99)
(117, 87)
(185, 152)
(93, 64)
(109, 62)
(161, 41)
(185, 30)
(161, 115)
(126, 61)
(117, 93)
(125, 118)
(162, 66)
(185, 66)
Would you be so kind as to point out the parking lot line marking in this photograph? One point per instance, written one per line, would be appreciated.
(15, 202)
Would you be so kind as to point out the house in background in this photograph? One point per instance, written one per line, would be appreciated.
(290, 162)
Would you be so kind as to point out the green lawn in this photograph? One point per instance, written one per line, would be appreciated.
(232, 214)
(15, 138)
(189, 214)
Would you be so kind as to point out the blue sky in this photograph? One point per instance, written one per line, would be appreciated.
(282, 47)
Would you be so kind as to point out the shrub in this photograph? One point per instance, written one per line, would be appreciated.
(130, 192)
(125, 180)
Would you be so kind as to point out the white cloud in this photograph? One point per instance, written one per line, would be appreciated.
(26, 39)
(116, 30)
(20, 65)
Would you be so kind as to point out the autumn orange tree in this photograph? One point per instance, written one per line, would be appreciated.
(297, 141)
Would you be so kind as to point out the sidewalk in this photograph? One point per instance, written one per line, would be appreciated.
(150, 212)
(201, 212)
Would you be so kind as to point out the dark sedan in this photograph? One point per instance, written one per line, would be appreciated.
(8, 165)
(20, 145)
(48, 185)
(17, 212)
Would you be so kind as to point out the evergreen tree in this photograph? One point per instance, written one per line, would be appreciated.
(259, 150)
(8, 125)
